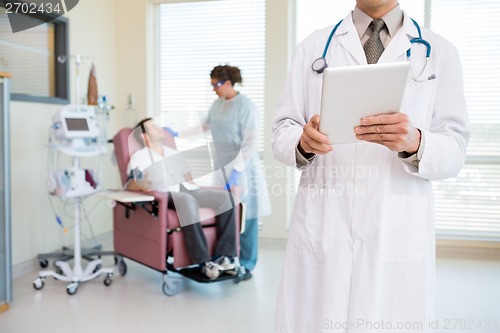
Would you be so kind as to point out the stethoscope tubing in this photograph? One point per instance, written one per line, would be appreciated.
(327, 46)
(320, 64)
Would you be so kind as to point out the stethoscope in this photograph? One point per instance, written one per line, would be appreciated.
(319, 65)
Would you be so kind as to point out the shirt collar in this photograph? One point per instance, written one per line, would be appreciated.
(393, 20)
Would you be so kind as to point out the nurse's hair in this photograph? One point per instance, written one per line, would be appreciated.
(226, 72)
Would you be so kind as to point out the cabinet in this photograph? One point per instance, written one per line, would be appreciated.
(5, 207)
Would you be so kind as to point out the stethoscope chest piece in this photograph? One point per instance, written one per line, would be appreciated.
(319, 65)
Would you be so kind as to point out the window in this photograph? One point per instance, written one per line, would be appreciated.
(32, 58)
(467, 206)
(193, 38)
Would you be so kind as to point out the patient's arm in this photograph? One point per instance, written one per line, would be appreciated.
(193, 131)
(141, 185)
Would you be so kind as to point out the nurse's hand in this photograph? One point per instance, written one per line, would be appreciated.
(171, 131)
(312, 141)
(392, 130)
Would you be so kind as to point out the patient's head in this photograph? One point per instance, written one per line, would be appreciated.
(147, 132)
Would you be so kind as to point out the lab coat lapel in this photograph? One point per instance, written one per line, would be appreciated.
(349, 40)
(400, 43)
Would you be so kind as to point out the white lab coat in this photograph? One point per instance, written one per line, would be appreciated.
(361, 248)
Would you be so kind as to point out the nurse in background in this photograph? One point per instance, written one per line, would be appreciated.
(233, 120)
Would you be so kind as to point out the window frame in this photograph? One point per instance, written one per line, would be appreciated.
(61, 49)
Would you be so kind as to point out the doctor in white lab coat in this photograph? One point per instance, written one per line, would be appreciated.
(361, 248)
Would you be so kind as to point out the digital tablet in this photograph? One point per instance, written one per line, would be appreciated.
(353, 92)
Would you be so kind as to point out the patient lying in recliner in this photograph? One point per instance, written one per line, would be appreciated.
(186, 197)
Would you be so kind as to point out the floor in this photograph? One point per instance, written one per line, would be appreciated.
(468, 300)
(468, 296)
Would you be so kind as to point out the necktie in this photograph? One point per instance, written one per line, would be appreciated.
(373, 46)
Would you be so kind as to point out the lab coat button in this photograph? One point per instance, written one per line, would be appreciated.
(358, 242)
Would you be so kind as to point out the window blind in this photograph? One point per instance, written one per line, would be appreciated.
(30, 56)
(193, 38)
(467, 206)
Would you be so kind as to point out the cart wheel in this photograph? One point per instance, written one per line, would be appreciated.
(44, 263)
(122, 268)
(38, 283)
(171, 287)
(72, 288)
(58, 271)
(108, 280)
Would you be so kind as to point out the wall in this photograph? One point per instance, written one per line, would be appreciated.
(134, 38)
(278, 46)
(34, 229)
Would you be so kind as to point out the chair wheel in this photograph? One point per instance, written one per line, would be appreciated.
(108, 281)
(122, 268)
(38, 284)
(171, 287)
(43, 263)
(72, 288)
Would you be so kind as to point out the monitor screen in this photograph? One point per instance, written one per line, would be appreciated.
(77, 124)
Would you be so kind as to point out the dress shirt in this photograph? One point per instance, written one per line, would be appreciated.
(393, 22)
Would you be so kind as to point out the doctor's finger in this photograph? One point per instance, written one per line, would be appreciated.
(394, 129)
(311, 146)
(312, 132)
(314, 121)
(315, 145)
(380, 137)
(383, 119)
(312, 129)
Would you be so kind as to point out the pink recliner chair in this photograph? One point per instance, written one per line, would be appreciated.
(150, 234)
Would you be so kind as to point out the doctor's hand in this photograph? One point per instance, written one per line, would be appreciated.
(312, 141)
(392, 130)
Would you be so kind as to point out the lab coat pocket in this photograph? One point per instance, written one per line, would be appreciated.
(404, 236)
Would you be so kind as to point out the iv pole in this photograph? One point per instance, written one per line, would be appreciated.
(76, 275)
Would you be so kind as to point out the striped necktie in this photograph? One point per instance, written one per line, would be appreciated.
(373, 46)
